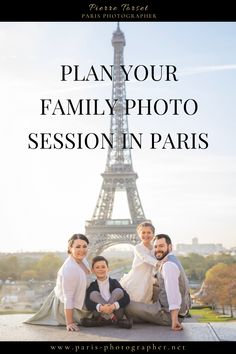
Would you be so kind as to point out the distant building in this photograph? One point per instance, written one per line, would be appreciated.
(232, 251)
(203, 249)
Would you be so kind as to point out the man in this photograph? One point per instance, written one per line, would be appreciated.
(173, 300)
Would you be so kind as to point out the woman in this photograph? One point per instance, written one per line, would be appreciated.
(64, 306)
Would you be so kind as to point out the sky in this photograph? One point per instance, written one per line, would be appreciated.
(47, 195)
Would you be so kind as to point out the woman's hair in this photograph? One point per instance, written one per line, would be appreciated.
(76, 237)
(146, 224)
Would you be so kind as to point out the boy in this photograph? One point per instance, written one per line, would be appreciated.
(106, 298)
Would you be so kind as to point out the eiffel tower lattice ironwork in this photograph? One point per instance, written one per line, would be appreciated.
(102, 230)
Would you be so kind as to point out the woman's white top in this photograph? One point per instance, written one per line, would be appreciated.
(71, 283)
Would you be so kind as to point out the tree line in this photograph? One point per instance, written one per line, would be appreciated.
(19, 267)
(196, 265)
(45, 267)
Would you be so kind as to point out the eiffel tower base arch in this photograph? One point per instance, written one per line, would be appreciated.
(114, 232)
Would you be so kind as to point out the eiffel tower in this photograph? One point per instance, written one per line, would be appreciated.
(102, 230)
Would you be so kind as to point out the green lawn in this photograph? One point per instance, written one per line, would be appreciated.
(207, 315)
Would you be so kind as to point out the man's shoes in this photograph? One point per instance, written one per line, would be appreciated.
(95, 322)
(187, 315)
(125, 323)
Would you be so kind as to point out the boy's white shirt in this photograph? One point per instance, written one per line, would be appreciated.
(105, 292)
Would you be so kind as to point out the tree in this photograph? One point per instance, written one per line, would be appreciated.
(47, 267)
(29, 274)
(220, 285)
(231, 288)
(9, 267)
(194, 266)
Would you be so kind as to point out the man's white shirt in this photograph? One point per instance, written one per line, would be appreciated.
(170, 273)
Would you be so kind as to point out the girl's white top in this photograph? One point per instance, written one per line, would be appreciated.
(139, 281)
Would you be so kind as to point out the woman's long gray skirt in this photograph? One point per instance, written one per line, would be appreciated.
(52, 313)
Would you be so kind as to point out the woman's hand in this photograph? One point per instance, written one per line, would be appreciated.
(70, 324)
(72, 327)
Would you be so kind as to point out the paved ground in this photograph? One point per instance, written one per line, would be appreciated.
(12, 329)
